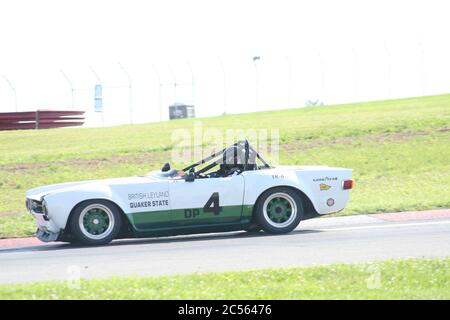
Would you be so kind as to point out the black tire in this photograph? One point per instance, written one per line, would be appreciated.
(279, 203)
(95, 222)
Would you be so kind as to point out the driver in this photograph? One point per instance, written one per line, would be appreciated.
(232, 161)
(180, 173)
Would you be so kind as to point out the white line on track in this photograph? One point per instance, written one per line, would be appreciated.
(387, 226)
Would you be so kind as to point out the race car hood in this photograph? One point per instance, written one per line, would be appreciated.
(38, 193)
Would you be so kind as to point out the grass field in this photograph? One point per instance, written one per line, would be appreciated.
(399, 150)
(404, 279)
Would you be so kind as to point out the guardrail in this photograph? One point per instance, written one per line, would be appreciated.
(41, 119)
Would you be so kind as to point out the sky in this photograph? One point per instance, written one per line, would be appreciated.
(326, 51)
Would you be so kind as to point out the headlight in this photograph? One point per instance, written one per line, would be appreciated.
(36, 206)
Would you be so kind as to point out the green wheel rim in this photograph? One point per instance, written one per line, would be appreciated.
(280, 210)
(96, 221)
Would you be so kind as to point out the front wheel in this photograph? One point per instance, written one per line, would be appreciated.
(95, 222)
(279, 210)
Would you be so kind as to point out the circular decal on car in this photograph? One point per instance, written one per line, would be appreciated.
(330, 202)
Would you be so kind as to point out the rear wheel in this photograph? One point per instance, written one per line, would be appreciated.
(95, 222)
(279, 210)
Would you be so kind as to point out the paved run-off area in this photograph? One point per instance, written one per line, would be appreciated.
(316, 241)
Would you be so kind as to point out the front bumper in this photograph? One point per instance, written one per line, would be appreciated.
(46, 236)
(46, 229)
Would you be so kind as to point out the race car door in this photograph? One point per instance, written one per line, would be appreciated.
(206, 201)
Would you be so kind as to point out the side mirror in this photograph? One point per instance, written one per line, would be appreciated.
(190, 177)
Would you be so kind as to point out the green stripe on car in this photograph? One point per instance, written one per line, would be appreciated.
(154, 220)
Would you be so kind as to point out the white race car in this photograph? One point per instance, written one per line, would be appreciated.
(234, 189)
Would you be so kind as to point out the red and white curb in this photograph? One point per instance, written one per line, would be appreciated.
(414, 215)
(20, 242)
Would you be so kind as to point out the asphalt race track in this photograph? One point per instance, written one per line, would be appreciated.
(317, 241)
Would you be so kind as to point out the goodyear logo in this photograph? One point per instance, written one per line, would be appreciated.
(324, 187)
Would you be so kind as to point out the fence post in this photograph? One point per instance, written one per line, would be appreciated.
(37, 119)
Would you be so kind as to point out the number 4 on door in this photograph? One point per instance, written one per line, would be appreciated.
(212, 205)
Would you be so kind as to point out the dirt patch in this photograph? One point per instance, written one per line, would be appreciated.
(9, 213)
(161, 157)
(146, 158)
(382, 137)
